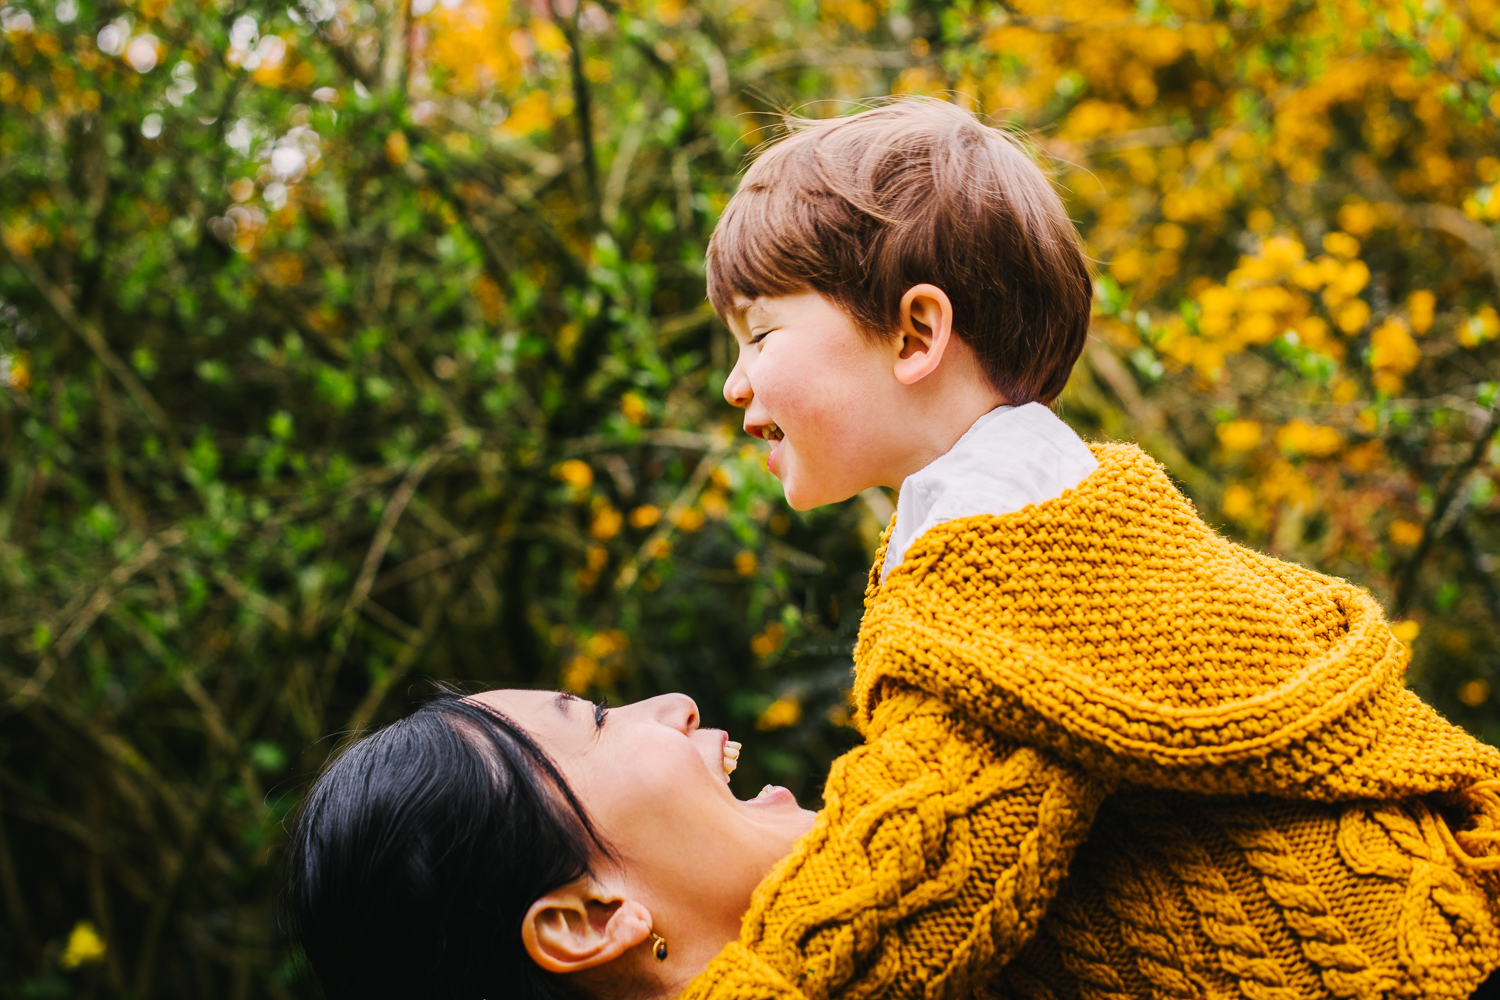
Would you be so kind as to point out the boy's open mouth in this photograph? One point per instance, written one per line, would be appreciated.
(770, 432)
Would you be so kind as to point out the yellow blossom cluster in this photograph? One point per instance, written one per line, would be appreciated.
(598, 659)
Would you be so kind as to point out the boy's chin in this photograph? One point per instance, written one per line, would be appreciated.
(806, 496)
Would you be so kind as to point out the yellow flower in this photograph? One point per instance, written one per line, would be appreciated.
(745, 563)
(1283, 481)
(607, 523)
(1392, 349)
(84, 947)
(1302, 438)
(1238, 502)
(1474, 693)
(1353, 276)
(397, 148)
(714, 504)
(780, 714)
(1352, 316)
(1480, 327)
(604, 643)
(645, 516)
(634, 408)
(1406, 631)
(1419, 309)
(575, 472)
(1239, 435)
(1359, 219)
(768, 641)
(1169, 236)
(578, 672)
(1406, 533)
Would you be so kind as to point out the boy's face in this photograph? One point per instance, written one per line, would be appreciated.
(822, 394)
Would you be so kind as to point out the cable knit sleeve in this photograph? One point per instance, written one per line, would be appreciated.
(930, 865)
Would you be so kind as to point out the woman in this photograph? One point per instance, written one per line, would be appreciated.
(530, 844)
(1039, 808)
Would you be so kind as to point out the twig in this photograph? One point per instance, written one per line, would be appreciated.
(1406, 587)
(619, 167)
(687, 440)
(393, 511)
(684, 181)
(1476, 566)
(85, 329)
(824, 58)
(1151, 424)
(583, 105)
(121, 574)
(259, 603)
(166, 901)
(406, 633)
(370, 703)
(425, 563)
(1445, 218)
(652, 546)
(15, 903)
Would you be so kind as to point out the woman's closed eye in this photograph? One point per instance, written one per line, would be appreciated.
(601, 709)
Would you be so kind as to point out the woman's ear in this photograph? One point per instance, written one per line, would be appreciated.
(582, 926)
(926, 331)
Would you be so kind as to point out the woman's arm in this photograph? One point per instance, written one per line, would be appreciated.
(931, 864)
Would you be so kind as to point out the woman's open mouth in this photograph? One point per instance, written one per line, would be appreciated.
(731, 757)
(773, 795)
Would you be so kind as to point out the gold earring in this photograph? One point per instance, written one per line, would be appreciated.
(658, 946)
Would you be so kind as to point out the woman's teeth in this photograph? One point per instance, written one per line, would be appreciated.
(731, 757)
(766, 791)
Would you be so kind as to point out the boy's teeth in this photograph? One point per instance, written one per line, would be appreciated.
(773, 433)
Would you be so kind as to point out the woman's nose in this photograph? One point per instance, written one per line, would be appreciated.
(675, 710)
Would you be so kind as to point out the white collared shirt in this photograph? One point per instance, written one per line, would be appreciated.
(1012, 456)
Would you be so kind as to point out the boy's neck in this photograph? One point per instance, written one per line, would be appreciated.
(937, 424)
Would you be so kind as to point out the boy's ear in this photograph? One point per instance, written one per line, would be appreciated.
(582, 926)
(926, 330)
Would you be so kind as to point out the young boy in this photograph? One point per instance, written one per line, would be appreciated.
(1108, 753)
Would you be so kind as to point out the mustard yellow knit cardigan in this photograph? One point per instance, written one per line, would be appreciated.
(1110, 754)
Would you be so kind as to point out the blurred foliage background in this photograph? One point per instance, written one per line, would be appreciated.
(353, 344)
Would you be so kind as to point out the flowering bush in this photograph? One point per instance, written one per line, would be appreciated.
(355, 345)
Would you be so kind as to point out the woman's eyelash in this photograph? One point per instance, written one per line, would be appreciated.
(601, 709)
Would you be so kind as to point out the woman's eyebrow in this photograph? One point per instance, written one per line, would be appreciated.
(561, 703)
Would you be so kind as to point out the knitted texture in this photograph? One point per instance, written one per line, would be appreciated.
(1111, 754)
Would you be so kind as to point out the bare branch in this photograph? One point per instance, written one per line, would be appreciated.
(393, 511)
(1447, 219)
(654, 546)
(63, 306)
(826, 59)
(425, 563)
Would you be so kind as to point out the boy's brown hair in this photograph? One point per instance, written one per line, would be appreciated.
(861, 208)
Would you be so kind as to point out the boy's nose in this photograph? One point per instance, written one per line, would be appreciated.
(737, 391)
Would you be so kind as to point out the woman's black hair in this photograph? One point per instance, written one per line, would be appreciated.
(418, 852)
